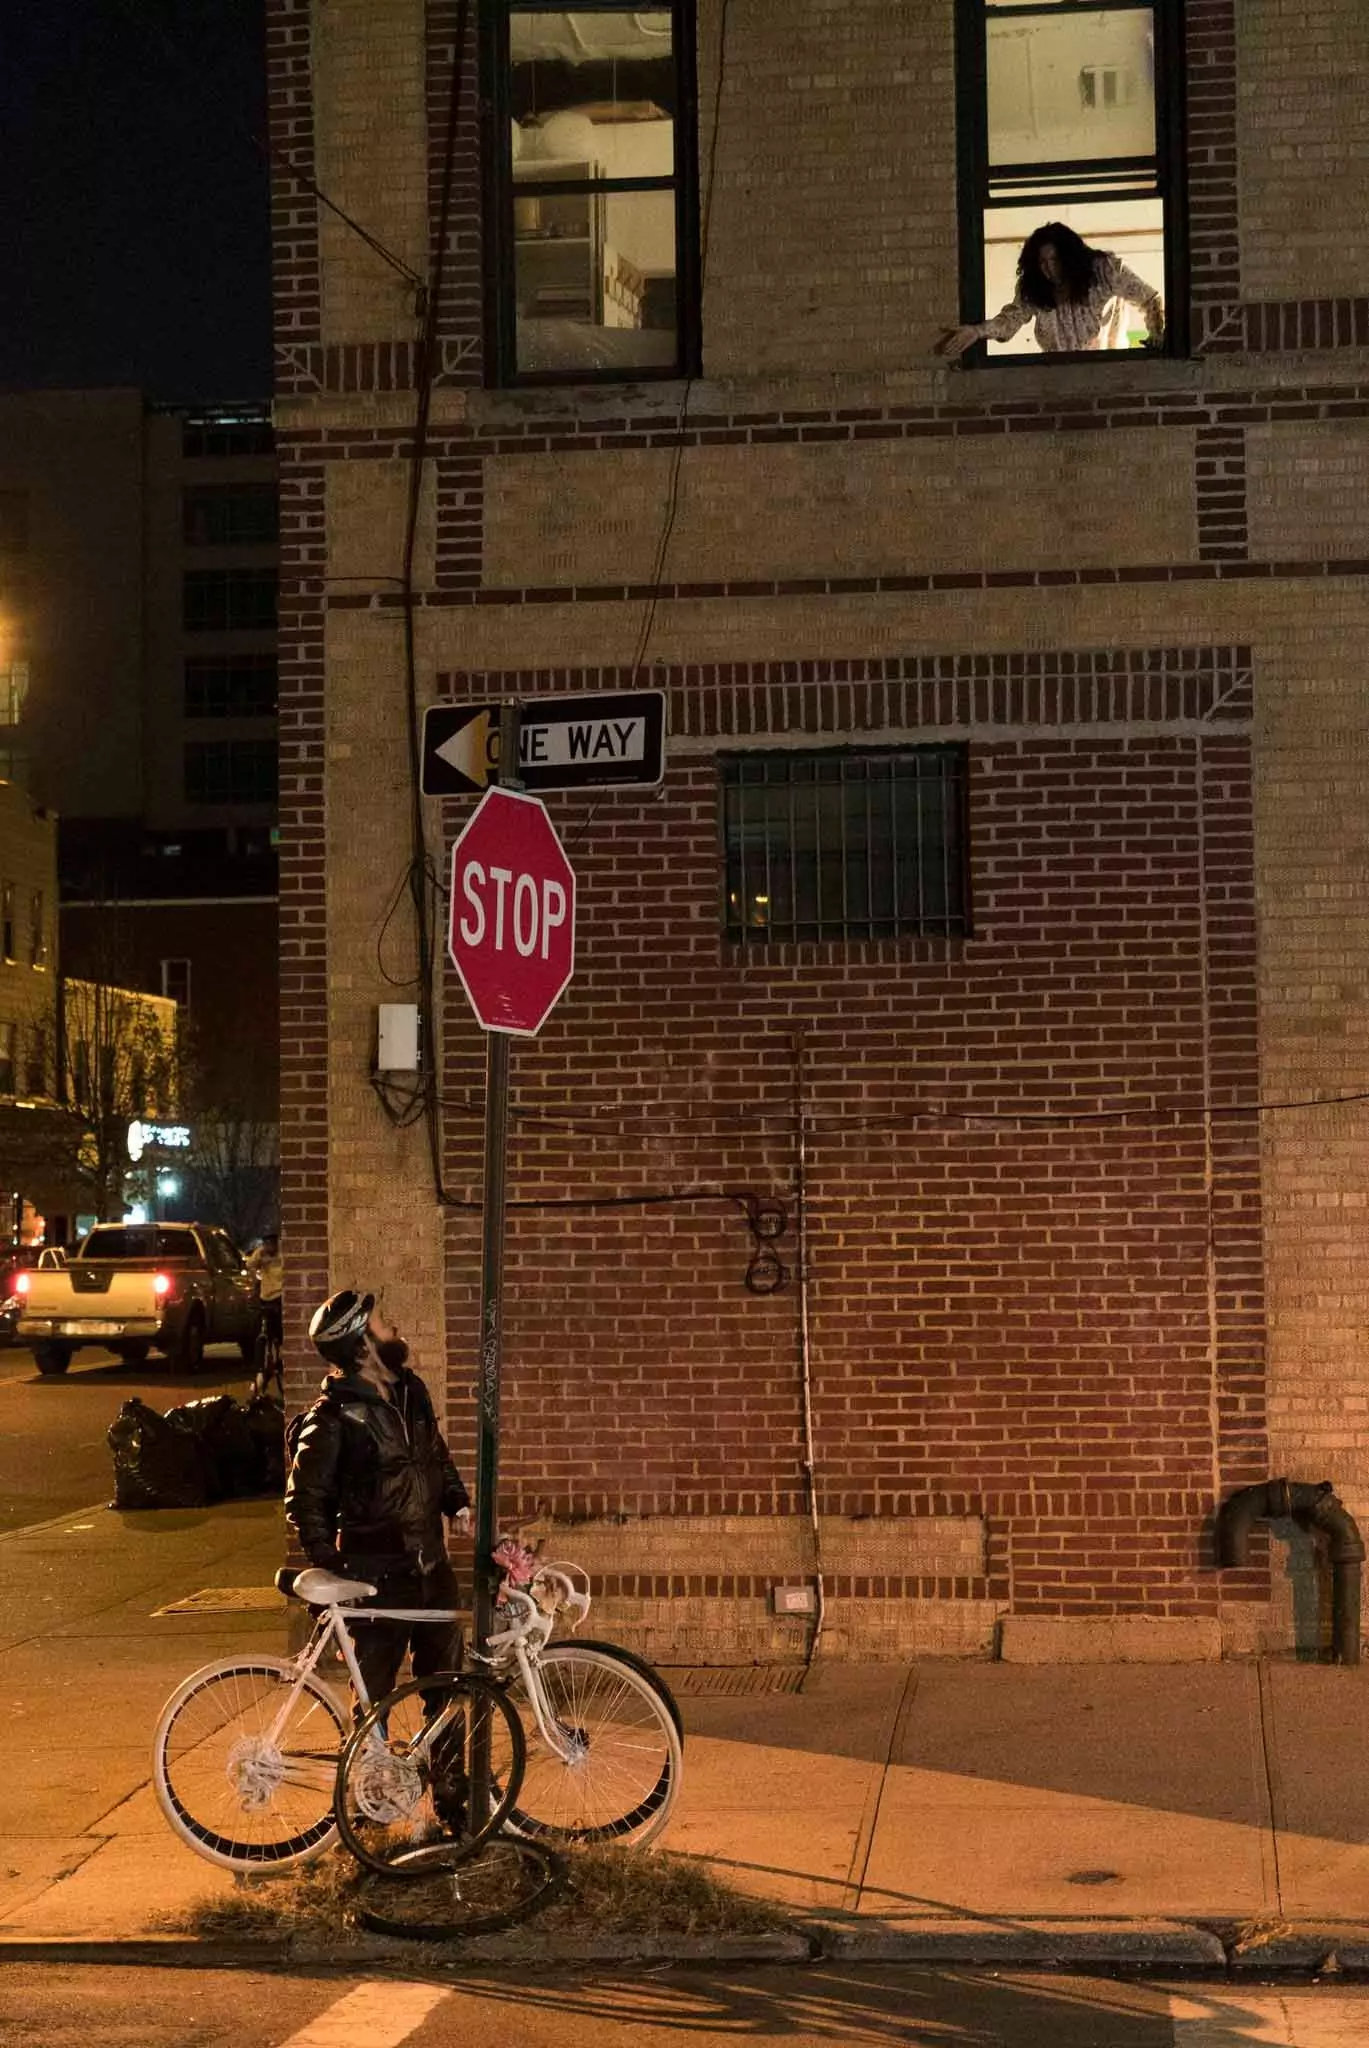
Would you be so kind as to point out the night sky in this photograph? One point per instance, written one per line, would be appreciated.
(134, 237)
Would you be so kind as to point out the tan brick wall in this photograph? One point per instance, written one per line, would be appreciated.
(833, 238)
(1309, 490)
(1303, 147)
(1034, 501)
(368, 509)
(384, 1225)
(371, 161)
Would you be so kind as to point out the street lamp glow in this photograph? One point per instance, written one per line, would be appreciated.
(167, 1184)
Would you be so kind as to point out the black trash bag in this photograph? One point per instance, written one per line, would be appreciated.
(266, 1420)
(231, 1458)
(156, 1465)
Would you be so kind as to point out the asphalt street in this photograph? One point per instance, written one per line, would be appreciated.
(806, 2007)
(53, 1454)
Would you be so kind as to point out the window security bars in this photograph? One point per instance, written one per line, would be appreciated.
(844, 844)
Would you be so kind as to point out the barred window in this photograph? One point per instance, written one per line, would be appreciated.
(230, 600)
(844, 843)
(230, 686)
(230, 772)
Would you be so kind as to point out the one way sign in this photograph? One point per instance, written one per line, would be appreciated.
(564, 743)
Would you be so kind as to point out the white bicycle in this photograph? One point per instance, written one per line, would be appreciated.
(258, 1763)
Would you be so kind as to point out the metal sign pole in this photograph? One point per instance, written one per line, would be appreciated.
(491, 1320)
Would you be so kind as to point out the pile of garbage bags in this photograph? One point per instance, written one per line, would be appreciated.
(202, 1452)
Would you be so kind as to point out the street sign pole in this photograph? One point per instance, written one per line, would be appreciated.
(491, 1322)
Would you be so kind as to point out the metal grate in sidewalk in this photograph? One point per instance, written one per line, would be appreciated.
(225, 1600)
(730, 1680)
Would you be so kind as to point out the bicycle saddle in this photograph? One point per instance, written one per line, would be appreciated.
(317, 1588)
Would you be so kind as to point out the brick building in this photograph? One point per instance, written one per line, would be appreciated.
(1009, 848)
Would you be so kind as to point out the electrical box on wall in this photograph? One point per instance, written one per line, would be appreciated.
(397, 1039)
(793, 1600)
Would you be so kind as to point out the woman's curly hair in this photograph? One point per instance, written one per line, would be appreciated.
(1078, 264)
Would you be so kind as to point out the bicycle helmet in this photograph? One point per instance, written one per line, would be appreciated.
(338, 1328)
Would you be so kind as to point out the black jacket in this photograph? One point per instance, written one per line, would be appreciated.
(371, 1479)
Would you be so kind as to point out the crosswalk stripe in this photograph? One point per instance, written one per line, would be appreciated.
(372, 2016)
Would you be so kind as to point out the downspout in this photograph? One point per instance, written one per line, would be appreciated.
(805, 1354)
(1312, 1506)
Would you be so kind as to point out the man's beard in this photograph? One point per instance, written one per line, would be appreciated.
(393, 1351)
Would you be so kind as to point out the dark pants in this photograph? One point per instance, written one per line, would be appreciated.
(380, 1645)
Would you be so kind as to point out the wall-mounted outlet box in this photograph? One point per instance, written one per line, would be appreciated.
(397, 1038)
(793, 1600)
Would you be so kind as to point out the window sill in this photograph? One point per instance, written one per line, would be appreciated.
(790, 953)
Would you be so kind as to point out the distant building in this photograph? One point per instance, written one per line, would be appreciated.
(29, 1180)
(138, 574)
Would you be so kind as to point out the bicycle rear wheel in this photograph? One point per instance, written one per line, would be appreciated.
(504, 1883)
(621, 1772)
(403, 1781)
(244, 1762)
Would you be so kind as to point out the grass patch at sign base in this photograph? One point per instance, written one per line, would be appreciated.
(634, 1896)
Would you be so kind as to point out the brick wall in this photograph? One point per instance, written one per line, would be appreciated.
(1039, 1350)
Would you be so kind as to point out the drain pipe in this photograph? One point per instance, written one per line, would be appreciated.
(810, 1470)
(1312, 1506)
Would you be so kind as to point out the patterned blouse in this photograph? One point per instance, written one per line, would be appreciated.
(1079, 323)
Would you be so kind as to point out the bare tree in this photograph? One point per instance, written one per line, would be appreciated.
(120, 1063)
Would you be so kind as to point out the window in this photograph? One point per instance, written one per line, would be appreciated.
(38, 934)
(230, 600)
(7, 951)
(231, 515)
(593, 191)
(226, 433)
(176, 981)
(1071, 114)
(844, 844)
(230, 686)
(230, 772)
(9, 1055)
(14, 689)
(14, 766)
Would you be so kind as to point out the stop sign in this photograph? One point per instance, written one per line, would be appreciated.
(512, 931)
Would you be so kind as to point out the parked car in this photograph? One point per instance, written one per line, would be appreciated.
(136, 1286)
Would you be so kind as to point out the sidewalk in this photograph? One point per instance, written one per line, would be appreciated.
(951, 1811)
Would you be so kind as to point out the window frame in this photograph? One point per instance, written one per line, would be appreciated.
(972, 165)
(177, 960)
(231, 752)
(231, 585)
(203, 506)
(202, 702)
(954, 925)
(38, 931)
(501, 370)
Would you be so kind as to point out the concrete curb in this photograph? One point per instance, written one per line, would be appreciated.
(1149, 1946)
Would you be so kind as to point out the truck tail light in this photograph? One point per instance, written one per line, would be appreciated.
(161, 1285)
(21, 1283)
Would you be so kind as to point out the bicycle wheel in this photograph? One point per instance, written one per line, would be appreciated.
(504, 1883)
(621, 1775)
(404, 1778)
(643, 1670)
(244, 1762)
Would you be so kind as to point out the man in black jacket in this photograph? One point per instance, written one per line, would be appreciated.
(369, 1485)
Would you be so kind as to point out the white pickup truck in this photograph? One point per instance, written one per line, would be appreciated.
(130, 1286)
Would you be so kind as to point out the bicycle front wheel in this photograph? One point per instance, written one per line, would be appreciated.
(615, 1772)
(403, 1782)
(244, 1762)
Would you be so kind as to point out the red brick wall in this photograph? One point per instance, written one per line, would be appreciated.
(1010, 1312)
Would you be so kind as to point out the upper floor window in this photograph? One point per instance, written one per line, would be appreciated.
(230, 772)
(230, 686)
(230, 600)
(593, 192)
(231, 515)
(219, 434)
(14, 690)
(9, 1057)
(1071, 176)
(176, 982)
(844, 843)
(38, 930)
(7, 939)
